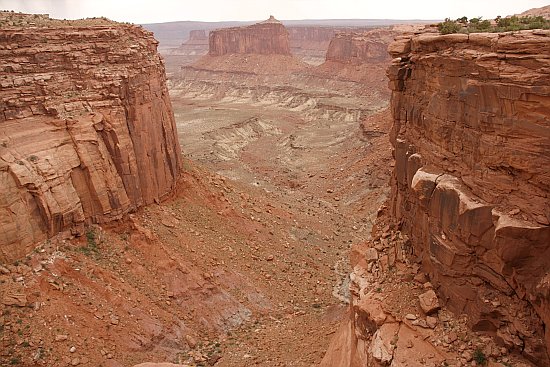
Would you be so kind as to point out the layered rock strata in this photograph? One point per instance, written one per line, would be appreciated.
(87, 131)
(310, 38)
(195, 47)
(197, 36)
(359, 57)
(360, 47)
(266, 38)
(471, 184)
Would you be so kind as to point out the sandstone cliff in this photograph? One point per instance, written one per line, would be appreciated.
(267, 38)
(467, 279)
(471, 184)
(358, 48)
(197, 36)
(87, 132)
(359, 57)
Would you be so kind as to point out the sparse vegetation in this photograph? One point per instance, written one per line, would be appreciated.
(22, 20)
(480, 358)
(448, 27)
(91, 248)
(476, 25)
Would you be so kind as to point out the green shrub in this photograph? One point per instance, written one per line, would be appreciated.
(91, 248)
(513, 23)
(480, 358)
(448, 27)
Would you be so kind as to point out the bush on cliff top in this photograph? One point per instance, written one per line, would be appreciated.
(475, 25)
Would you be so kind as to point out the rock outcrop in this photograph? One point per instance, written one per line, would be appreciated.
(359, 57)
(471, 185)
(259, 49)
(266, 38)
(310, 38)
(536, 12)
(358, 48)
(87, 132)
(198, 36)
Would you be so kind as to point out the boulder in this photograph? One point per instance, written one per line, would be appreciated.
(429, 303)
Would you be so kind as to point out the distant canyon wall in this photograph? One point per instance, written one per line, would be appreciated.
(310, 38)
(87, 131)
(198, 35)
(360, 47)
(360, 57)
(266, 38)
(471, 184)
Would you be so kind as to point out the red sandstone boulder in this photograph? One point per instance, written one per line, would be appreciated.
(429, 302)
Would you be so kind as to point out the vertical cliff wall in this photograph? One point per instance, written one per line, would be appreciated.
(358, 48)
(266, 38)
(199, 36)
(360, 57)
(87, 131)
(471, 184)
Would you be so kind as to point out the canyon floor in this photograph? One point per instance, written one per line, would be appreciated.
(247, 264)
(313, 178)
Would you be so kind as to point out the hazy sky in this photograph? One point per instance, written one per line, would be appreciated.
(150, 11)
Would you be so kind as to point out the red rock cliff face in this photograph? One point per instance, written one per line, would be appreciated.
(310, 38)
(87, 132)
(471, 184)
(358, 48)
(197, 37)
(266, 38)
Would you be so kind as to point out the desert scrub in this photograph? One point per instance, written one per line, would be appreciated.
(91, 249)
(477, 25)
(480, 358)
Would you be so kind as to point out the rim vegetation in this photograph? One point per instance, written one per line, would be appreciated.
(499, 24)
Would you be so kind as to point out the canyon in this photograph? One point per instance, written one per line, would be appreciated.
(272, 202)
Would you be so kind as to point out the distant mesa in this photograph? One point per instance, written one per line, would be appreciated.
(198, 35)
(359, 48)
(538, 12)
(269, 37)
(359, 57)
